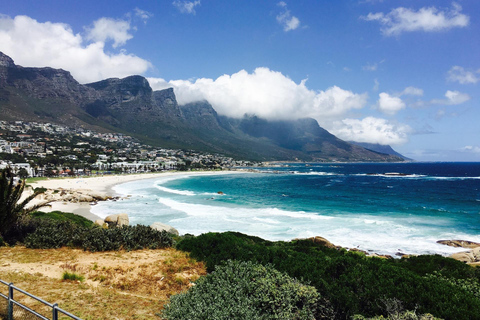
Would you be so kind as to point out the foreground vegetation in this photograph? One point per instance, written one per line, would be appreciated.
(251, 278)
(352, 283)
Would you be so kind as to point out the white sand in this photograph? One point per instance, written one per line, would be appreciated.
(98, 184)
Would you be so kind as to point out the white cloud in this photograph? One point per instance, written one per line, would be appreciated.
(187, 7)
(389, 104)
(142, 14)
(412, 91)
(376, 85)
(372, 130)
(472, 149)
(271, 95)
(286, 19)
(39, 44)
(266, 93)
(459, 74)
(428, 19)
(452, 98)
(109, 29)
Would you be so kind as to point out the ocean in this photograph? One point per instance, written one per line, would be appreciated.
(386, 208)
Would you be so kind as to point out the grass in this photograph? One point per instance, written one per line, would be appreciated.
(72, 276)
(116, 285)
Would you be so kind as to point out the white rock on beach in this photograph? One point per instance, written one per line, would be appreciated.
(122, 220)
(471, 256)
(162, 226)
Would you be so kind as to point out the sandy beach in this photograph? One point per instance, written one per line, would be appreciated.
(96, 185)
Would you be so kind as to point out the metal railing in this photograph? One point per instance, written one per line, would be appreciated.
(11, 309)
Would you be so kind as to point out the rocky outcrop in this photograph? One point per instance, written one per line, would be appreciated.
(470, 257)
(323, 242)
(116, 220)
(164, 227)
(74, 195)
(122, 220)
(460, 243)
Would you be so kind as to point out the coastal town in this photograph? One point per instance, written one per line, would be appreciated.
(35, 149)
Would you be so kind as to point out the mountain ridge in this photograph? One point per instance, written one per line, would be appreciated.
(129, 105)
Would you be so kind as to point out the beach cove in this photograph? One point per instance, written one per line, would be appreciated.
(363, 206)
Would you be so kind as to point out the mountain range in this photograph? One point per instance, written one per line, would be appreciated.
(130, 106)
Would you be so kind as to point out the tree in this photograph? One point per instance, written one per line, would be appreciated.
(22, 173)
(11, 208)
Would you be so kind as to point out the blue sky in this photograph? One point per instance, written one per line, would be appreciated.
(404, 73)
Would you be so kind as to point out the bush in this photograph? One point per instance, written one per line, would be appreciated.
(353, 283)
(246, 290)
(51, 234)
(72, 276)
(63, 216)
(126, 238)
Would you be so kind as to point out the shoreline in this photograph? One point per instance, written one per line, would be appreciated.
(100, 185)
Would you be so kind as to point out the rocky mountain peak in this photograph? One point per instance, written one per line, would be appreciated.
(6, 61)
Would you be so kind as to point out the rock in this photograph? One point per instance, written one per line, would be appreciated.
(111, 220)
(358, 250)
(460, 243)
(122, 220)
(470, 257)
(161, 226)
(220, 192)
(100, 222)
(322, 241)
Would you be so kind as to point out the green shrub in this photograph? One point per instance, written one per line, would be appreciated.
(51, 234)
(126, 238)
(55, 234)
(40, 189)
(63, 216)
(353, 283)
(245, 290)
(2, 243)
(72, 276)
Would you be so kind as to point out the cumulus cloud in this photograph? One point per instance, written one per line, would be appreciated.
(272, 95)
(187, 7)
(109, 29)
(372, 130)
(266, 93)
(38, 44)
(428, 19)
(389, 104)
(460, 75)
(452, 98)
(286, 19)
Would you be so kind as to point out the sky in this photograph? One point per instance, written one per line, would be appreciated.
(399, 72)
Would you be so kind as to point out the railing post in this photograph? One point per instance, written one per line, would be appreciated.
(55, 311)
(10, 301)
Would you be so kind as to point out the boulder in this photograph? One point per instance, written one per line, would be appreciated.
(111, 220)
(122, 220)
(460, 243)
(323, 242)
(162, 226)
(470, 257)
(100, 222)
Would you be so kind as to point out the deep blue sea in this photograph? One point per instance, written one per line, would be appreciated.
(384, 208)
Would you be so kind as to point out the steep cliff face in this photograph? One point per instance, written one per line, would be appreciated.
(42, 83)
(130, 105)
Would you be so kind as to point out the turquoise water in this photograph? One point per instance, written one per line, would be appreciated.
(385, 208)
